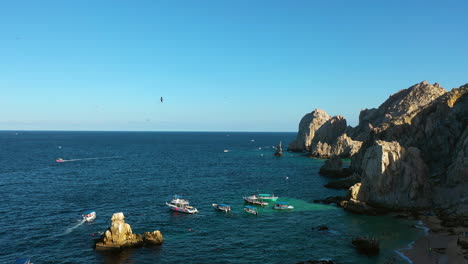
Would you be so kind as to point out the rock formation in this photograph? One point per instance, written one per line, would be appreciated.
(410, 153)
(279, 151)
(393, 176)
(120, 236)
(309, 124)
(153, 238)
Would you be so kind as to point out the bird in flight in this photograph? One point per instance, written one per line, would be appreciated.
(161, 99)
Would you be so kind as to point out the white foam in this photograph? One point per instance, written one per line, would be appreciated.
(403, 256)
(421, 225)
(74, 227)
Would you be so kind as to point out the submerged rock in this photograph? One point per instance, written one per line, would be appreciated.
(322, 228)
(366, 246)
(120, 236)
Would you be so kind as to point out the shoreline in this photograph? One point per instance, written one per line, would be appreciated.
(438, 245)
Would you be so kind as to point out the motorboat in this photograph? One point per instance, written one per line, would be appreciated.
(179, 204)
(89, 216)
(251, 210)
(282, 206)
(253, 199)
(222, 207)
(266, 196)
(59, 160)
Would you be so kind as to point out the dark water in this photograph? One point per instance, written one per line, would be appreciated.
(135, 173)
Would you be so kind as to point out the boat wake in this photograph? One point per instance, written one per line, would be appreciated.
(74, 227)
(63, 160)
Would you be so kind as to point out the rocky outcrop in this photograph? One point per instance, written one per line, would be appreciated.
(279, 151)
(120, 236)
(153, 238)
(366, 246)
(411, 152)
(309, 124)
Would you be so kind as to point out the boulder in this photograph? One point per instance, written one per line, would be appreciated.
(358, 207)
(119, 236)
(366, 246)
(153, 238)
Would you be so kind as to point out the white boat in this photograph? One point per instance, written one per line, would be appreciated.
(89, 216)
(266, 196)
(251, 210)
(222, 207)
(253, 199)
(180, 204)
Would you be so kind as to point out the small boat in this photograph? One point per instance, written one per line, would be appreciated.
(251, 210)
(267, 196)
(226, 150)
(282, 206)
(222, 207)
(180, 204)
(59, 160)
(23, 261)
(254, 200)
(89, 216)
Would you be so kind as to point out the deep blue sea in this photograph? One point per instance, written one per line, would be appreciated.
(41, 201)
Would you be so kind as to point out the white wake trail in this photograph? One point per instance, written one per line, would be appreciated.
(74, 227)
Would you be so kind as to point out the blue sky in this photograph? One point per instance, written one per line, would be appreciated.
(220, 65)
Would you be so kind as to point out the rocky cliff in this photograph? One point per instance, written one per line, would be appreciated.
(411, 152)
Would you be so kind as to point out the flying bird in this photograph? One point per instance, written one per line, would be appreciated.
(161, 99)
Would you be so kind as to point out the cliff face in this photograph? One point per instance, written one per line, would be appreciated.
(436, 134)
(411, 152)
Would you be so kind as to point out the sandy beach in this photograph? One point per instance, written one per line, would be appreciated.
(439, 245)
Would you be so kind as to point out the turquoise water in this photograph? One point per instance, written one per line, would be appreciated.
(137, 172)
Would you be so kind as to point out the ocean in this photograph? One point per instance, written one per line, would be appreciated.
(137, 172)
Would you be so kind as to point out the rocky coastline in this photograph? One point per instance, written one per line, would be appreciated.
(408, 155)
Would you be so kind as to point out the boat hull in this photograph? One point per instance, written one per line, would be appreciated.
(89, 217)
(186, 210)
(255, 201)
(222, 208)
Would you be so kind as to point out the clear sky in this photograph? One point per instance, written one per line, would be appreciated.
(220, 65)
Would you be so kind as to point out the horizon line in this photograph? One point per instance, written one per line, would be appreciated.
(145, 131)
